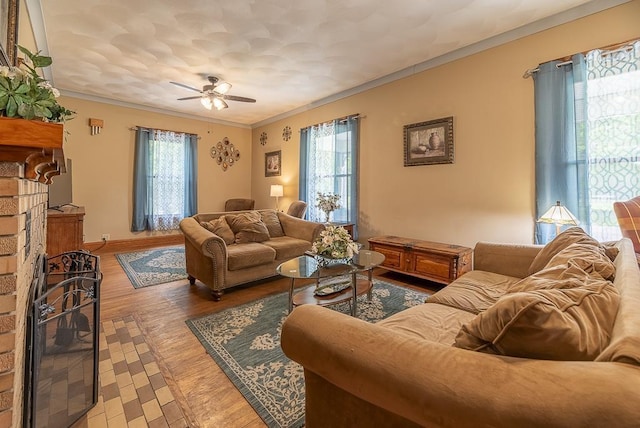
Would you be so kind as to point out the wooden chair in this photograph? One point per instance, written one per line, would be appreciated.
(297, 209)
(239, 204)
(628, 215)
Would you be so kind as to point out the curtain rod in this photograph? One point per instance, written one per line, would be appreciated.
(135, 128)
(340, 119)
(610, 50)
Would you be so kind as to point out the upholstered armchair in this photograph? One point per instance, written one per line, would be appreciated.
(628, 214)
(239, 204)
(297, 209)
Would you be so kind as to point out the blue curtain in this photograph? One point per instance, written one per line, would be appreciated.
(329, 164)
(139, 220)
(191, 176)
(560, 152)
(163, 192)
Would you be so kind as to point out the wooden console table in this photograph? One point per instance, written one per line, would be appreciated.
(65, 229)
(433, 261)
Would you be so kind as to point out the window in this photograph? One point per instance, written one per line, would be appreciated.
(612, 127)
(165, 185)
(329, 164)
(588, 137)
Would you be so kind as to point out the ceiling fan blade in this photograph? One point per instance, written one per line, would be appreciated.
(189, 98)
(235, 98)
(186, 86)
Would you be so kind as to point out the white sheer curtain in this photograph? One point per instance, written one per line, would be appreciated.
(612, 128)
(329, 164)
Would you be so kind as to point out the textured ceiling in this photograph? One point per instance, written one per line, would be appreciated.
(286, 54)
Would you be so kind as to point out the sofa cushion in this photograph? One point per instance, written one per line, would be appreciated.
(474, 291)
(430, 321)
(271, 220)
(563, 240)
(590, 258)
(221, 228)
(247, 227)
(555, 324)
(287, 247)
(240, 256)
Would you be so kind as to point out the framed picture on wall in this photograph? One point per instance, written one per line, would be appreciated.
(273, 163)
(428, 143)
(8, 31)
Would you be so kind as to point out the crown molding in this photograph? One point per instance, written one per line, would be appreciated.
(118, 103)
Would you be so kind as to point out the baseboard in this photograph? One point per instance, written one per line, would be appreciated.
(126, 245)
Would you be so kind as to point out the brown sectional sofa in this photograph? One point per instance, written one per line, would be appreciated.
(224, 249)
(475, 355)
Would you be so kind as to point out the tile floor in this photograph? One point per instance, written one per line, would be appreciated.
(133, 391)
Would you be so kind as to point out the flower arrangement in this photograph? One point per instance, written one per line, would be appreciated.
(328, 202)
(335, 242)
(25, 94)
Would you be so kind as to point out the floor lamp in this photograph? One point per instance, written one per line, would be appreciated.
(277, 191)
(558, 215)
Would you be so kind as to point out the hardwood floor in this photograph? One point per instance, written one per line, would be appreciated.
(205, 394)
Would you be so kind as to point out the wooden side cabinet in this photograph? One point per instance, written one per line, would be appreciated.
(433, 261)
(65, 230)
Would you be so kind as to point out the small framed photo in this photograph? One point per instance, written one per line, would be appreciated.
(273, 163)
(429, 143)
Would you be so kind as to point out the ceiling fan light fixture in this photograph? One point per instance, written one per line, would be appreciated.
(219, 104)
(207, 103)
(222, 87)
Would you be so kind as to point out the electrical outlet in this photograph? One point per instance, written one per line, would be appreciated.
(106, 236)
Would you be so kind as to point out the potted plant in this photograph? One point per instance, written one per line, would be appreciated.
(24, 94)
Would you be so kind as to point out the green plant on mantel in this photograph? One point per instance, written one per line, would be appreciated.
(25, 94)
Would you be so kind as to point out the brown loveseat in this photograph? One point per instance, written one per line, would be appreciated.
(565, 367)
(225, 249)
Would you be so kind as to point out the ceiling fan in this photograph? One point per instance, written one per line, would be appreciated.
(214, 94)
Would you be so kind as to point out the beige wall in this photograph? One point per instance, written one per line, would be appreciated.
(103, 164)
(488, 193)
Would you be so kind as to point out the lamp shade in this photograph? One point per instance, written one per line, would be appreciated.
(277, 190)
(558, 215)
(206, 102)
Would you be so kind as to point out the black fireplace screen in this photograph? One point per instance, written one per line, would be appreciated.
(62, 376)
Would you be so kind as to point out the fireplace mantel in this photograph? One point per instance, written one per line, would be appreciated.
(37, 145)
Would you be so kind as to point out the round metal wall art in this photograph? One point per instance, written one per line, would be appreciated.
(286, 133)
(225, 154)
(263, 138)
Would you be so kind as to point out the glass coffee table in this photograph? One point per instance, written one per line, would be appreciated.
(306, 267)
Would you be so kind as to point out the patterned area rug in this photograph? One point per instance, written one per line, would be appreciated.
(153, 267)
(245, 342)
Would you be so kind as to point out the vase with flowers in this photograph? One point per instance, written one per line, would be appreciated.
(334, 244)
(25, 94)
(328, 202)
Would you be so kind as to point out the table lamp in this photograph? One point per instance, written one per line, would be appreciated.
(277, 191)
(558, 215)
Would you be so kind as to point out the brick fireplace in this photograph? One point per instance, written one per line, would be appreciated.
(30, 155)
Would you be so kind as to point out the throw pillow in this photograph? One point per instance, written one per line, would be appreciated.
(220, 227)
(271, 220)
(248, 227)
(590, 258)
(558, 324)
(563, 240)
